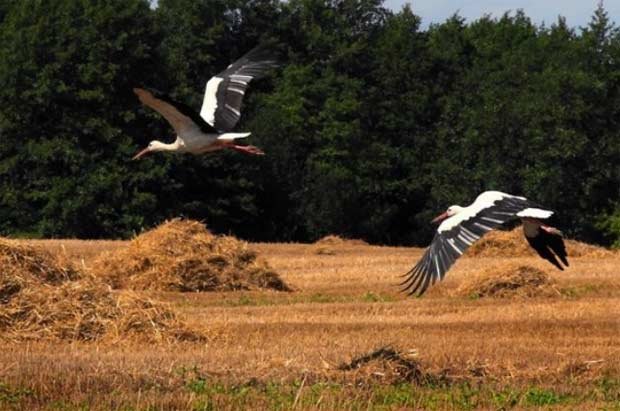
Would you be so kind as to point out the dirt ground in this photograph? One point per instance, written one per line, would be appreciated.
(282, 350)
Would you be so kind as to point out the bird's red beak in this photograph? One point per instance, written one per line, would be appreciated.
(440, 218)
(140, 154)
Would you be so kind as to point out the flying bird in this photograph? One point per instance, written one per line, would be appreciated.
(461, 226)
(210, 130)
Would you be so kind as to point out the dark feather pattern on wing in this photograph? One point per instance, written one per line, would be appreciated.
(235, 80)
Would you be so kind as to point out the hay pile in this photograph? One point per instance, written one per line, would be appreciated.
(329, 245)
(182, 255)
(509, 280)
(386, 365)
(334, 240)
(20, 264)
(42, 296)
(513, 244)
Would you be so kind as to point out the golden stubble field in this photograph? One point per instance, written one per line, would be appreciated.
(281, 350)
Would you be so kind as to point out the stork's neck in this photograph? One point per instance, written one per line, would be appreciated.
(175, 146)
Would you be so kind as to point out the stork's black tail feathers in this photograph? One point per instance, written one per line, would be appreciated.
(549, 246)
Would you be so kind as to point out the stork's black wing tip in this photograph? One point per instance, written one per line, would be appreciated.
(416, 283)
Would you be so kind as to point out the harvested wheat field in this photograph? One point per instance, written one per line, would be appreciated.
(344, 338)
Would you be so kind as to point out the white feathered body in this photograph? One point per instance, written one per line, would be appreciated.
(194, 140)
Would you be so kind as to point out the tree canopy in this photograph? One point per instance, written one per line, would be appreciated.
(371, 127)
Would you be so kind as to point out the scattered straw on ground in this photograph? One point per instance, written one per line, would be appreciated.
(182, 255)
(44, 297)
(509, 280)
(512, 243)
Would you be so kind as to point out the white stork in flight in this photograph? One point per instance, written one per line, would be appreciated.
(221, 109)
(462, 226)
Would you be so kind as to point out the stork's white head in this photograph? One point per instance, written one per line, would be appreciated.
(152, 147)
(452, 210)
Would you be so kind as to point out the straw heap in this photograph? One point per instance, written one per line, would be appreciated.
(331, 244)
(337, 240)
(388, 365)
(509, 280)
(42, 296)
(182, 255)
(512, 243)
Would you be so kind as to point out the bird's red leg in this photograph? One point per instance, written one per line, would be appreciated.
(248, 149)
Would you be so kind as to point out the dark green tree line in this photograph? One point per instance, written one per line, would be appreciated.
(68, 117)
(371, 126)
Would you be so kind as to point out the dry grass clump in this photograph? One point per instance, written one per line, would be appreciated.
(513, 244)
(329, 244)
(386, 365)
(582, 370)
(509, 280)
(323, 250)
(44, 297)
(182, 255)
(337, 240)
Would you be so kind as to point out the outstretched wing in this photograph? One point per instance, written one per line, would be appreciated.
(490, 210)
(180, 116)
(224, 92)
